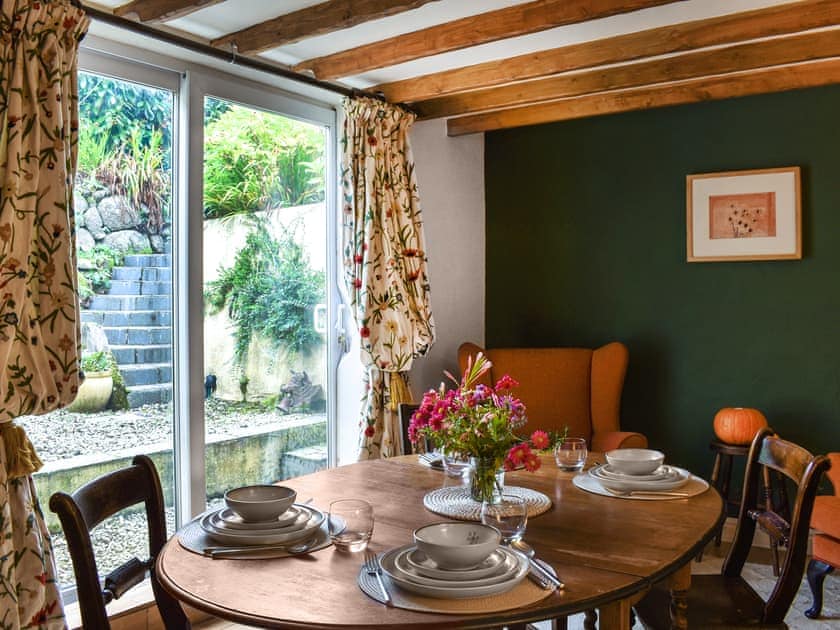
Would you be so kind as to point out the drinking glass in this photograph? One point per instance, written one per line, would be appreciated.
(350, 524)
(455, 464)
(571, 454)
(509, 516)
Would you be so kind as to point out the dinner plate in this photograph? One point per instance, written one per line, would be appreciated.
(232, 520)
(502, 572)
(313, 519)
(660, 474)
(300, 521)
(455, 591)
(427, 567)
(680, 477)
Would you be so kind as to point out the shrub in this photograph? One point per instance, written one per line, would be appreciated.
(257, 160)
(95, 272)
(270, 290)
(100, 361)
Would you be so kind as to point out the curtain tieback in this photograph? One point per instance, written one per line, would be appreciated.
(21, 458)
(399, 390)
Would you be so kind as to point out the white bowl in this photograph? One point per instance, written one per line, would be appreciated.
(635, 461)
(260, 503)
(457, 545)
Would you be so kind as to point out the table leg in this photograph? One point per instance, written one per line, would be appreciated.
(590, 618)
(679, 583)
(615, 615)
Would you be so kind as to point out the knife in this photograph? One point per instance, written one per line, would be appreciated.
(546, 572)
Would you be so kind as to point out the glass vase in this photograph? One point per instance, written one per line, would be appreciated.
(487, 479)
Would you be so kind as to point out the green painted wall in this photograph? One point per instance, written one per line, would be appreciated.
(586, 244)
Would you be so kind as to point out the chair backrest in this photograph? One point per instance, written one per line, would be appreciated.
(90, 505)
(405, 410)
(804, 470)
(578, 387)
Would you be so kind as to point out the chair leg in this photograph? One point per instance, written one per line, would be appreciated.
(817, 570)
(590, 618)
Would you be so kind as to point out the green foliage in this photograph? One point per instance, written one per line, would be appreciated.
(100, 361)
(92, 150)
(95, 270)
(269, 290)
(256, 160)
(119, 393)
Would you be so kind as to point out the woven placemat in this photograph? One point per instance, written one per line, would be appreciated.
(456, 502)
(523, 594)
(193, 538)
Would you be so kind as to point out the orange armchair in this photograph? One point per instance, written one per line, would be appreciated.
(578, 387)
(825, 519)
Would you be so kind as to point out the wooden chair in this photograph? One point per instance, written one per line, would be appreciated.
(727, 600)
(90, 505)
(405, 410)
(826, 522)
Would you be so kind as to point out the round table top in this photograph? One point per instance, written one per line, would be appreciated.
(604, 548)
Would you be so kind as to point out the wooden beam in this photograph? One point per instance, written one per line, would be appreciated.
(319, 19)
(161, 10)
(777, 20)
(778, 79)
(521, 19)
(738, 58)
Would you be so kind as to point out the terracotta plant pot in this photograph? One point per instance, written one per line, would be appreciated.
(94, 393)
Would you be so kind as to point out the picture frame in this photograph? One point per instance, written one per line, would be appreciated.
(744, 215)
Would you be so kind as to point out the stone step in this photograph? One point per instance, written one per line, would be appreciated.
(134, 354)
(131, 303)
(153, 274)
(303, 461)
(139, 335)
(148, 260)
(149, 394)
(128, 318)
(146, 374)
(139, 287)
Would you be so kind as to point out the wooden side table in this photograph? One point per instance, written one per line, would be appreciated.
(775, 494)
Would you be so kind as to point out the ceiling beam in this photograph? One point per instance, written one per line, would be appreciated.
(738, 58)
(319, 19)
(776, 20)
(778, 79)
(521, 19)
(161, 10)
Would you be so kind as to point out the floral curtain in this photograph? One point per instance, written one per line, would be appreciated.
(384, 263)
(39, 338)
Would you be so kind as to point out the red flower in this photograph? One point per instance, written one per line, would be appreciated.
(413, 275)
(40, 617)
(369, 431)
(540, 439)
(69, 22)
(372, 141)
(357, 283)
(364, 331)
(410, 253)
(42, 578)
(358, 259)
(506, 382)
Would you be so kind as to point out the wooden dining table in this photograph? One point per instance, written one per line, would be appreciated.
(607, 550)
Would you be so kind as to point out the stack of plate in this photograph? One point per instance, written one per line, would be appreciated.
(662, 479)
(294, 525)
(410, 569)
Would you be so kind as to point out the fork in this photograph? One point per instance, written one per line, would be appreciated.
(644, 493)
(372, 567)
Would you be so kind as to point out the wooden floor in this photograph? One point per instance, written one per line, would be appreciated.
(758, 572)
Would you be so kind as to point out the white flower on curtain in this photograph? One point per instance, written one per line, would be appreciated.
(384, 263)
(39, 309)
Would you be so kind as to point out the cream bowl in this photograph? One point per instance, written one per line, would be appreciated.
(635, 461)
(457, 545)
(260, 503)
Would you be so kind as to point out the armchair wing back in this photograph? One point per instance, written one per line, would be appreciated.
(578, 387)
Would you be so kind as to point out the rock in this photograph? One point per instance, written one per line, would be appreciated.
(93, 223)
(101, 193)
(158, 244)
(126, 241)
(80, 204)
(94, 338)
(117, 213)
(84, 240)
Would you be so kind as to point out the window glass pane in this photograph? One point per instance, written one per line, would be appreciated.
(123, 203)
(264, 297)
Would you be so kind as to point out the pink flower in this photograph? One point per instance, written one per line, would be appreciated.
(532, 462)
(506, 382)
(540, 440)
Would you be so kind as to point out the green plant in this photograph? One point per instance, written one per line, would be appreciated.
(92, 150)
(119, 392)
(95, 269)
(268, 290)
(257, 160)
(100, 361)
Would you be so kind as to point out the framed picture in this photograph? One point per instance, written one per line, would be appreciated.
(744, 215)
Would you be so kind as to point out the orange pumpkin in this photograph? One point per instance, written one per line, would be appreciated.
(738, 425)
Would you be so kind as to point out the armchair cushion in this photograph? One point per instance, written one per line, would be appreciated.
(578, 387)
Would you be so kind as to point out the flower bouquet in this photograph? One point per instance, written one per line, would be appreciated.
(480, 422)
